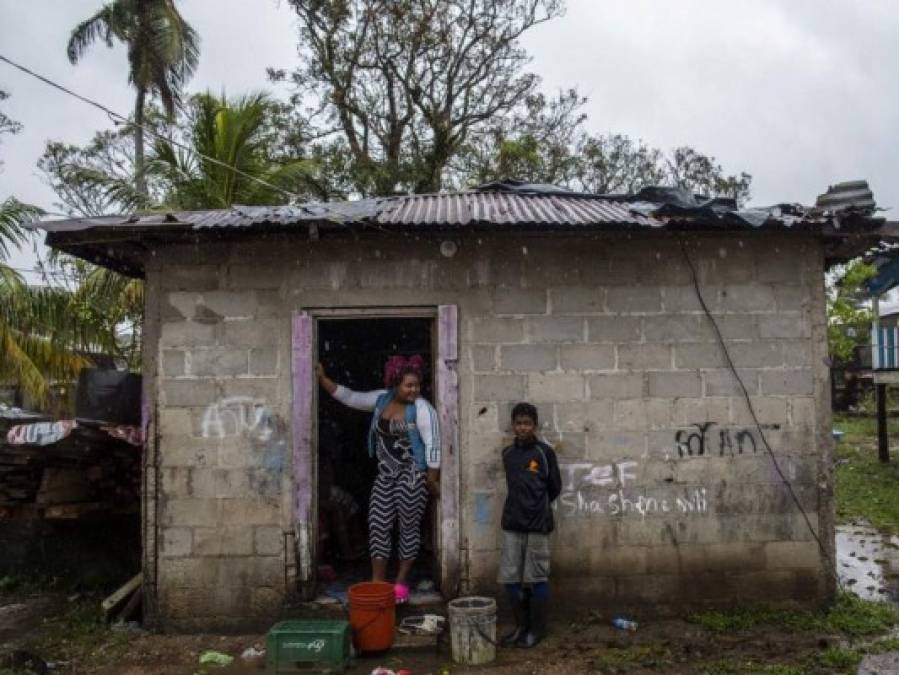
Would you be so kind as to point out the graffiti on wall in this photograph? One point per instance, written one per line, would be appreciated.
(590, 489)
(708, 439)
(238, 416)
(266, 433)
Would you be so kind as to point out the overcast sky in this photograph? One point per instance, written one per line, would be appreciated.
(799, 93)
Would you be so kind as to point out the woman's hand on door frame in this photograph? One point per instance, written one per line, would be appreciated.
(329, 385)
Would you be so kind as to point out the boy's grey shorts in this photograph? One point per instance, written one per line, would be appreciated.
(524, 558)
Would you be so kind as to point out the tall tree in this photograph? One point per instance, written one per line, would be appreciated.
(404, 84)
(701, 174)
(616, 163)
(89, 180)
(163, 51)
(543, 140)
(535, 142)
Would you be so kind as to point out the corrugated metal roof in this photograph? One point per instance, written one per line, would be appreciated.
(246, 216)
(504, 208)
(850, 195)
(236, 216)
(506, 204)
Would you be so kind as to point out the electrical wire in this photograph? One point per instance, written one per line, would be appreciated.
(121, 119)
(755, 419)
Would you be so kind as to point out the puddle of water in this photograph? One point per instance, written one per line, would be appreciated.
(868, 562)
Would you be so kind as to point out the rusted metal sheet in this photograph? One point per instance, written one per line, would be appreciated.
(851, 195)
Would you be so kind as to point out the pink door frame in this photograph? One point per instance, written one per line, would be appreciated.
(302, 341)
(304, 399)
(448, 410)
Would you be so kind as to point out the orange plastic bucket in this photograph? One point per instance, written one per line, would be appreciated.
(372, 615)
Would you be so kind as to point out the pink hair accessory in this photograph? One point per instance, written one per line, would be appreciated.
(397, 363)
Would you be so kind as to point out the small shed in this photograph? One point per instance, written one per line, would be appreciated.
(676, 349)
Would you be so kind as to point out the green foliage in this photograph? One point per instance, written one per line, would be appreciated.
(39, 336)
(701, 174)
(617, 163)
(239, 134)
(848, 615)
(839, 657)
(97, 179)
(13, 215)
(77, 632)
(163, 52)
(885, 645)
(108, 304)
(399, 88)
(7, 124)
(163, 49)
(864, 487)
(854, 617)
(45, 330)
(419, 96)
(848, 320)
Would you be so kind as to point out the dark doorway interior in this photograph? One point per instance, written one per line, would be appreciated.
(353, 353)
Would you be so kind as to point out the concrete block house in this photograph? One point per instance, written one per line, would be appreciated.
(603, 311)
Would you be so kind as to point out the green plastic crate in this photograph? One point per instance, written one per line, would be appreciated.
(308, 645)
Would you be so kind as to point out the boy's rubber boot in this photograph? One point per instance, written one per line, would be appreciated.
(536, 624)
(520, 613)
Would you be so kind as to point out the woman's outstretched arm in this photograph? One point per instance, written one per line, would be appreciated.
(360, 400)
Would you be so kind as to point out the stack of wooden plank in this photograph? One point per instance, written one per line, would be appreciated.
(84, 473)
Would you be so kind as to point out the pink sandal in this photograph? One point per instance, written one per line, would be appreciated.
(401, 593)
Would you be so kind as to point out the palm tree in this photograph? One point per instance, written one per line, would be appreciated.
(163, 51)
(38, 330)
(230, 160)
(115, 304)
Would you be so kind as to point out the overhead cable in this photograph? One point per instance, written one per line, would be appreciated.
(121, 119)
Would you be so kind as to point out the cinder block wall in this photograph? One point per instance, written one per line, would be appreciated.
(669, 495)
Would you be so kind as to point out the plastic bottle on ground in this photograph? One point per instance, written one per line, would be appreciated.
(624, 624)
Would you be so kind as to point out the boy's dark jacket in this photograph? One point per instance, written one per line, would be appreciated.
(533, 482)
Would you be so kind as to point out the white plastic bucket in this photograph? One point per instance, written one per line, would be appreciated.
(473, 630)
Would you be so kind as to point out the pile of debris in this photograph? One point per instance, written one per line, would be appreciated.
(66, 469)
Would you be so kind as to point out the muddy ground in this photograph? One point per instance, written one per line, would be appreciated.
(63, 630)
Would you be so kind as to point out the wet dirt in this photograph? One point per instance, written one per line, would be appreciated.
(574, 646)
(22, 615)
(868, 563)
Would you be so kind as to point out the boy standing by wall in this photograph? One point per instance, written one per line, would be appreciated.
(533, 482)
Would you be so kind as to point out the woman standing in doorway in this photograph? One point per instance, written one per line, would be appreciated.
(405, 437)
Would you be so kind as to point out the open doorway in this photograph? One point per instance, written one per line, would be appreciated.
(353, 352)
